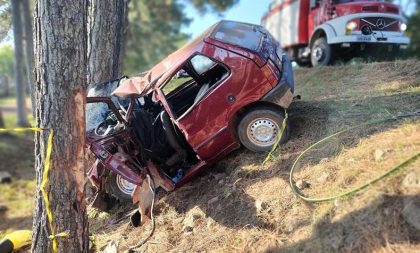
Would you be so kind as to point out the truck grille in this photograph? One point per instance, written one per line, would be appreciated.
(380, 24)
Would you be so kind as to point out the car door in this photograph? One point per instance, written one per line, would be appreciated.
(206, 125)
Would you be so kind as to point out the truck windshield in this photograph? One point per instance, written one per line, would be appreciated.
(349, 1)
(239, 34)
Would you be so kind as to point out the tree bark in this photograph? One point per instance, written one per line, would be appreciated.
(29, 48)
(19, 64)
(1, 119)
(5, 81)
(106, 46)
(60, 86)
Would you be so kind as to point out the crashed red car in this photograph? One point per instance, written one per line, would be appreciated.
(230, 86)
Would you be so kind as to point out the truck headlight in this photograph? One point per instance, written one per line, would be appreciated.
(403, 27)
(350, 27)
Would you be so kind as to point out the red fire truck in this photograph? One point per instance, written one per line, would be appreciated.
(318, 31)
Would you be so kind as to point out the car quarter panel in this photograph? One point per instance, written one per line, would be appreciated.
(207, 126)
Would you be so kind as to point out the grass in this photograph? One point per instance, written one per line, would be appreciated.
(11, 101)
(16, 156)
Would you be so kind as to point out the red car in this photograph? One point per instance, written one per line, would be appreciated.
(230, 86)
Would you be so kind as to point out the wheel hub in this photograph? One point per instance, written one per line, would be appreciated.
(125, 186)
(263, 132)
(318, 53)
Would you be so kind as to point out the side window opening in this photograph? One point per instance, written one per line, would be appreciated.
(192, 82)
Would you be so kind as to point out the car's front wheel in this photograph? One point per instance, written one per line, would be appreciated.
(261, 128)
(120, 188)
(321, 52)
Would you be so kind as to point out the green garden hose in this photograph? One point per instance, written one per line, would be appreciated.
(350, 192)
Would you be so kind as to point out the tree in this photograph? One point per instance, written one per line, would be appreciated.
(19, 64)
(60, 90)
(5, 18)
(107, 31)
(1, 119)
(413, 26)
(6, 68)
(29, 47)
(213, 5)
(155, 29)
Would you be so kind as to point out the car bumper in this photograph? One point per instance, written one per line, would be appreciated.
(282, 93)
(382, 38)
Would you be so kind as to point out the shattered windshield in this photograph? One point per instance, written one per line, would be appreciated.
(97, 112)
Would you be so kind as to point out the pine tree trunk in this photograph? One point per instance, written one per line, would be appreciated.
(107, 32)
(1, 119)
(6, 86)
(60, 86)
(19, 64)
(29, 48)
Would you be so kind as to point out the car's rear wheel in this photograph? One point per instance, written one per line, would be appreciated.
(120, 188)
(260, 129)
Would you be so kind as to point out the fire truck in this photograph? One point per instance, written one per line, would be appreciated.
(318, 31)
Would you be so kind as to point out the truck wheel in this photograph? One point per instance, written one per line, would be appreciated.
(321, 52)
(120, 188)
(260, 128)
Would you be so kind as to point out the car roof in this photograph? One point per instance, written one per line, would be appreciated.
(182, 54)
(140, 85)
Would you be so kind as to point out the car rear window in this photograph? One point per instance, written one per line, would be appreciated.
(239, 34)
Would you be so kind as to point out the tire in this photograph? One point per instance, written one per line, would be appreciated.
(259, 128)
(321, 52)
(120, 188)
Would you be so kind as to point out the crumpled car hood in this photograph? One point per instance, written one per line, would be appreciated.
(135, 86)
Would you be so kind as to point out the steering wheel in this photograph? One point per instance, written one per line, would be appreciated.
(107, 125)
(102, 129)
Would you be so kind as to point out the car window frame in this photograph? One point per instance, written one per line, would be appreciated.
(215, 85)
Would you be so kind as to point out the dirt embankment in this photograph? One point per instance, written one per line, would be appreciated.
(242, 206)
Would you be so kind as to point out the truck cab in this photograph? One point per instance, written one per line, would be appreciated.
(317, 31)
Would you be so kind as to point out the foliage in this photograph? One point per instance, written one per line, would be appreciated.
(413, 28)
(6, 61)
(5, 18)
(155, 29)
(154, 32)
(214, 5)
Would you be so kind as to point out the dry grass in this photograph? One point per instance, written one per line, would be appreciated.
(255, 210)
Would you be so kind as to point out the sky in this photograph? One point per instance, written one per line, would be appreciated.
(249, 11)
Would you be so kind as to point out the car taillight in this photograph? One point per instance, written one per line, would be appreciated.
(271, 72)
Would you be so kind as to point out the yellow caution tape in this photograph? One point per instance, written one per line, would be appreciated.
(19, 238)
(44, 182)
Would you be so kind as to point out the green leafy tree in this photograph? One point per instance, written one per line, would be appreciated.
(5, 18)
(214, 5)
(155, 29)
(413, 28)
(6, 68)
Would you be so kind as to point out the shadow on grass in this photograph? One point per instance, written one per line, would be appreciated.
(391, 221)
(221, 199)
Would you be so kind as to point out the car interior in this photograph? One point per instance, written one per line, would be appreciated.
(196, 78)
